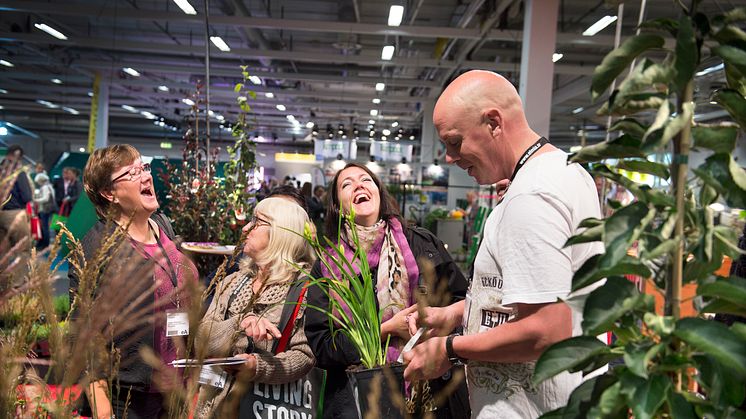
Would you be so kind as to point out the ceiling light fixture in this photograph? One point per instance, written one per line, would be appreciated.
(376, 100)
(577, 110)
(706, 71)
(3, 91)
(387, 53)
(47, 103)
(129, 108)
(185, 7)
(309, 124)
(372, 122)
(374, 112)
(56, 81)
(557, 56)
(218, 42)
(6, 63)
(290, 117)
(411, 137)
(599, 26)
(148, 115)
(50, 30)
(386, 132)
(255, 79)
(281, 108)
(163, 88)
(380, 87)
(395, 124)
(269, 95)
(396, 13)
(131, 71)
(188, 101)
(70, 110)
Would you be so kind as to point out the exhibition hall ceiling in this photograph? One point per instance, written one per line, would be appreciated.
(316, 62)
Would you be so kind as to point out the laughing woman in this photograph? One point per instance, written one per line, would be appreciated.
(120, 186)
(394, 253)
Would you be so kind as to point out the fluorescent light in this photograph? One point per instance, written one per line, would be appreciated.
(380, 87)
(557, 56)
(372, 122)
(56, 81)
(309, 124)
(383, 138)
(578, 110)
(218, 42)
(281, 108)
(47, 103)
(50, 30)
(707, 70)
(411, 137)
(395, 124)
(290, 117)
(255, 79)
(396, 13)
(188, 101)
(82, 149)
(148, 115)
(387, 52)
(3, 91)
(3, 130)
(90, 94)
(374, 112)
(131, 71)
(185, 7)
(376, 100)
(163, 88)
(269, 95)
(70, 110)
(129, 108)
(386, 132)
(599, 26)
(6, 63)
(220, 117)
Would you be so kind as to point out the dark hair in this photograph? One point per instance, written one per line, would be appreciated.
(14, 149)
(291, 192)
(388, 208)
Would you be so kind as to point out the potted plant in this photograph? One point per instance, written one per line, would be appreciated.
(353, 311)
(669, 366)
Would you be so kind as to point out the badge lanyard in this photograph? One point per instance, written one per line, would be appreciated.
(171, 271)
(541, 142)
(235, 293)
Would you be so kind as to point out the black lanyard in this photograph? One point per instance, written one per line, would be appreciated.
(235, 293)
(527, 154)
(171, 271)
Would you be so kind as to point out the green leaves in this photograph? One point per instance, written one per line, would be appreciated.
(734, 103)
(715, 339)
(718, 138)
(732, 56)
(725, 175)
(645, 166)
(649, 397)
(616, 148)
(623, 228)
(686, 53)
(608, 302)
(727, 295)
(571, 354)
(619, 59)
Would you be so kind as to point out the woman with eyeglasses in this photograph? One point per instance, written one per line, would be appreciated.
(245, 314)
(120, 187)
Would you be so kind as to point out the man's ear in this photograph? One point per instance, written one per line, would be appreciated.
(494, 119)
(108, 196)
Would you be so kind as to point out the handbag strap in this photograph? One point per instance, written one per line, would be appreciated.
(293, 302)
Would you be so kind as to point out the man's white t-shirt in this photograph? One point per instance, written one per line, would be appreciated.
(522, 260)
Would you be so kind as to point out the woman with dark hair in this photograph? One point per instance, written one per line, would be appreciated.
(395, 252)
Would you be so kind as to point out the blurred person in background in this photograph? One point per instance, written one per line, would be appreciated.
(67, 189)
(14, 222)
(44, 199)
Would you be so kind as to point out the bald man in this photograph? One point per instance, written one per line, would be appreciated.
(522, 268)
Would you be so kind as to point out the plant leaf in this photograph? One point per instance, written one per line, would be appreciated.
(663, 248)
(632, 104)
(726, 176)
(664, 24)
(716, 340)
(592, 234)
(722, 386)
(736, 80)
(629, 126)
(679, 406)
(731, 55)
(649, 397)
(734, 103)
(645, 166)
(582, 398)
(620, 147)
(590, 272)
(687, 53)
(608, 303)
(718, 138)
(619, 59)
(566, 355)
(621, 229)
(661, 325)
(731, 289)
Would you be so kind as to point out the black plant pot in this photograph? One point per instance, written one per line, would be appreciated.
(362, 384)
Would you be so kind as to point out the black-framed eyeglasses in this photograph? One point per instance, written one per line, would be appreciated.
(134, 173)
(258, 222)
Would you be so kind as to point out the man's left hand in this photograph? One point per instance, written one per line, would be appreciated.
(427, 360)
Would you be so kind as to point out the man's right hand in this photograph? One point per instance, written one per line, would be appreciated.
(440, 321)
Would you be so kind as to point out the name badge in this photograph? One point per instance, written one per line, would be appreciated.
(177, 323)
(213, 375)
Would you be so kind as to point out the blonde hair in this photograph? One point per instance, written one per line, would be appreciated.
(287, 247)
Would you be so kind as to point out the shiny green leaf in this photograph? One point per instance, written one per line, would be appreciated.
(629, 126)
(582, 398)
(607, 303)
(679, 407)
(619, 59)
(731, 289)
(611, 404)
(647, 76)
(632, 104)
(716, 340)
(567, 355)
(620, 147)
(592, 234)
(718, 138)
(590, 271)
(661, 118)
(721, 384)
(645, 166)
(726, 176)
(590, 222)
(237, 88)
(663, 248)
(687, 53)
(661, 325)
(736, 80)
(637, 355)
(621, 229)
(734, 103)
(648, 398)
(731, 55)
(664, 24)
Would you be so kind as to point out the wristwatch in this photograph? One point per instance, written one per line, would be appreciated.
(452, 357)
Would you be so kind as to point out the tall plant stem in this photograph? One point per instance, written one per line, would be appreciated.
(682, 144)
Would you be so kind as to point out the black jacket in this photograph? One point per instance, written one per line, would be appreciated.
(336, 356)
(133, 371)
(73, 193)
(20, 194)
